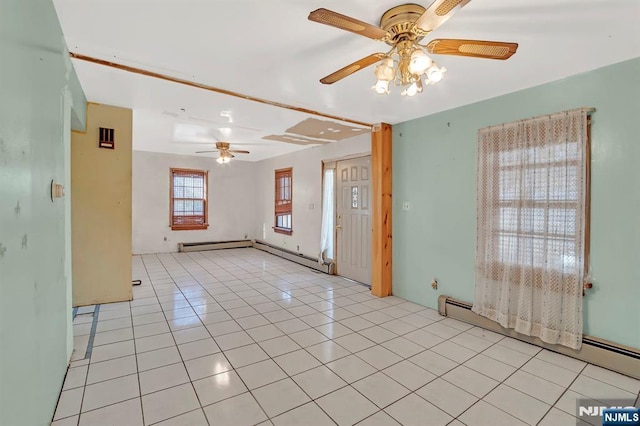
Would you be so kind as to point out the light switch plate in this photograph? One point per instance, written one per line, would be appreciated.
(406, 205)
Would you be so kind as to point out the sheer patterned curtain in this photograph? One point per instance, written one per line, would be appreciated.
(327, 233)
(531, 227)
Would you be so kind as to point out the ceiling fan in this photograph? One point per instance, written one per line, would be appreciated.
(403, 27)
(226, 154)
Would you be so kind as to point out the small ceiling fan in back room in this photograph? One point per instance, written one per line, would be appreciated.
(226, 154)
(407, 63)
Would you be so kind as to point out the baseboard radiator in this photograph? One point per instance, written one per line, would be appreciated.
(308, 261)
(623, 359)
(213, 245)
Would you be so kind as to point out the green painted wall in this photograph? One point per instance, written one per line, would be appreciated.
(434, 168)
(40, 101)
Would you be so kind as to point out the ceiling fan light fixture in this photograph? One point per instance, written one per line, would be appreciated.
(412, 90)
(384, 73)
(419, 62)
(223, 159)
(384, 70)
(381, 87)
(403, 27)
(435, 73)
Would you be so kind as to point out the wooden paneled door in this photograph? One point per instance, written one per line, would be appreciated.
(353, 221)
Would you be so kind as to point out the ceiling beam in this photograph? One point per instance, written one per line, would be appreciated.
(211, 88)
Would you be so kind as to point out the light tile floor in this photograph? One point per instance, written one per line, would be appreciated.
(240, 337)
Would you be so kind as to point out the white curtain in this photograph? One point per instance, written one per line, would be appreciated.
(327, 232)
(532, 192)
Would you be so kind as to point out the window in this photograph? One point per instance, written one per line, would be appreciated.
(283, 201)
(533, 226)
(533, 211)
(188, 199)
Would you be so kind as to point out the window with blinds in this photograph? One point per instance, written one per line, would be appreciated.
(188, 199)
(284, 201)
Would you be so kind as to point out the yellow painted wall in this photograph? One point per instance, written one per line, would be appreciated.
(101, 209)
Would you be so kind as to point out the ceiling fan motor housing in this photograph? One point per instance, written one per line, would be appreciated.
(399, 23)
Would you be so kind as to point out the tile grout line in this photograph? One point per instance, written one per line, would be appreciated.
(378, 344)
(441, 375)
(181, 357)
(516, 370)
(324, 364)
(492, 389)
(563, 393)
(135, 349)
(234, 369)
(288, 376)
(84, 387)
(347, 384)
(461, 332)
(253, 279)
(269, 358)
(350, 353)
(87, 355)
(249, 390)
(86, 377)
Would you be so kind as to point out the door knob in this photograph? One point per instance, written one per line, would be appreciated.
(338, 226)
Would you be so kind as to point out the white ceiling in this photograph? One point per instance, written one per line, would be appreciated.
(268, 49)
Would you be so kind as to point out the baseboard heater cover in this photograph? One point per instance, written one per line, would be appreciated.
(606, 354)
(308, 261)
(213, 245)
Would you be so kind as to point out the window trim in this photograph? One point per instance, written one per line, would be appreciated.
(587, 207)
(280, 210)
(191, 227)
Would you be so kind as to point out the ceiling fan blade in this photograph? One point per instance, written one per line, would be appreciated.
(347, 23)
(474, 48)
(239, 151)
(204, 152)
(351, 68)
(438, 13)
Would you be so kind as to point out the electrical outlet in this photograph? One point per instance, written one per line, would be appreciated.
(434, 284)
(406, 205)
(298, 248)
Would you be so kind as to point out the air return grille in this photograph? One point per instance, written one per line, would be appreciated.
(106, 138)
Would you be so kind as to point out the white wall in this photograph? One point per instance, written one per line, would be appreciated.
(231, 201)
(307, 192)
